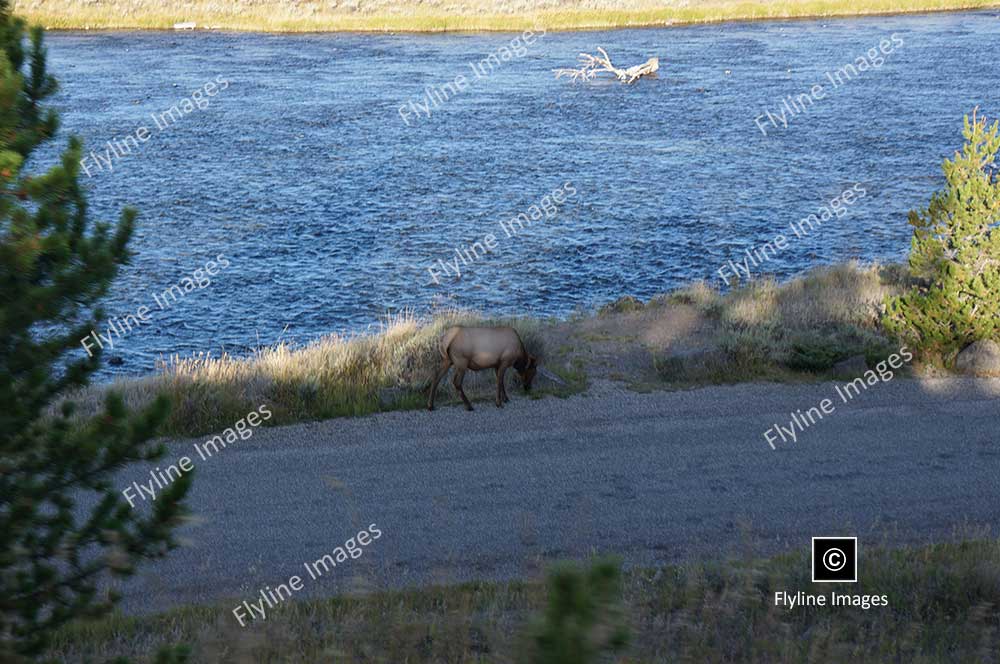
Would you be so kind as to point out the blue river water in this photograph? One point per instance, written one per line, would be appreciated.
(290, 157)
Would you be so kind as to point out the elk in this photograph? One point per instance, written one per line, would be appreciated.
(477, 348)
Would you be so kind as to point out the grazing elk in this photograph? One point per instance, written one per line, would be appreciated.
(478, 348)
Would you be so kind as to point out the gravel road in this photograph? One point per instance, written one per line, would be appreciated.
(658, 477)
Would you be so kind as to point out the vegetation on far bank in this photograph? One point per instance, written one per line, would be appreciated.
(448, 15)
(943, 606)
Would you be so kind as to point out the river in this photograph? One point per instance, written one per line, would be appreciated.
(289, 156)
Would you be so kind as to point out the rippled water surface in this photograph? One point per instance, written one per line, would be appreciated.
(330, 209)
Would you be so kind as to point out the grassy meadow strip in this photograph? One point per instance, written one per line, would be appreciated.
(764, 330)
(461, 15)
(944, 606)
(335, 376)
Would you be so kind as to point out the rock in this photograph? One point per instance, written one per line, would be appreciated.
(544, 376)
(980, 358)
(852, 366)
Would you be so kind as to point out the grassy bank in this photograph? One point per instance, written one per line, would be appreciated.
(336, 376)
(799, 329)
(447, 15)
(793, 331)
(944, 606)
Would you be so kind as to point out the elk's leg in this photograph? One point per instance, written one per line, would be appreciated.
(437, 379)
(503, 384)
(457, 382)
(501, 388)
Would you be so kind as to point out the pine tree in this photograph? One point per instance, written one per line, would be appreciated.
(583, 621)
(64, 528)
(955, 254)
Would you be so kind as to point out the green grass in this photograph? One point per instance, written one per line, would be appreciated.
(944, 606)
(447, 15)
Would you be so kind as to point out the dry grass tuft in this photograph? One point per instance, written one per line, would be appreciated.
(331, 377)
(839, 295)
(791, 330)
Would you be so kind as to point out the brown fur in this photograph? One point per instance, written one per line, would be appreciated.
(477, 348)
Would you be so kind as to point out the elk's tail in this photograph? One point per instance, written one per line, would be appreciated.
(446, 340)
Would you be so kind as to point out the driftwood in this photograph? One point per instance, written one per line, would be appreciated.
(591, 65)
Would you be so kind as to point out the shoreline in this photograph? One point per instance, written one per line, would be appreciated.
(819, 325)
(114, 19)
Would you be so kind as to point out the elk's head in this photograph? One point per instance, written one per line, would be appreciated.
(528, 372)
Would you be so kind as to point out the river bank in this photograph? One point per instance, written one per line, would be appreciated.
(448, 16)
(800, 330)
